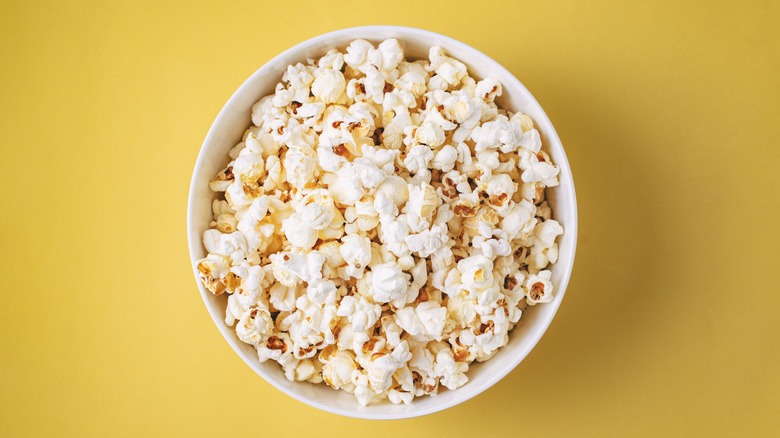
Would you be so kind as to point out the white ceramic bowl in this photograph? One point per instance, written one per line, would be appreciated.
(235, 118)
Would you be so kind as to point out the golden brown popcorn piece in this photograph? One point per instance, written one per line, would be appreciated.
(460, 355)
(485, 327)
(326, 353)
(353, 125)
(538, 195)
(206, 268)
(377, 355)
(369, 346)
(499, 200)
(449, 190)
(464, 210)
(232, 281)
(274, 343)
(537, 291)
(225, 175)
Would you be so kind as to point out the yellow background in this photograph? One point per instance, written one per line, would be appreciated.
(669, 115)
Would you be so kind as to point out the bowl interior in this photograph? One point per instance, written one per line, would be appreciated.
(235, 118)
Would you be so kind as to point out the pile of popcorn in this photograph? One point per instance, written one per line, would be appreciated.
(384, 223)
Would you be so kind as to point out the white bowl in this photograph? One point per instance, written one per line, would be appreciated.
(235, 118)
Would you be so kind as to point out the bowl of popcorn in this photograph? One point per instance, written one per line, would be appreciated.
(382, 222)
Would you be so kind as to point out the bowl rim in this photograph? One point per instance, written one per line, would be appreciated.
(539, 329)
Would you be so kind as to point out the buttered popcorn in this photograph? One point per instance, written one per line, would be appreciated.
(383, 223)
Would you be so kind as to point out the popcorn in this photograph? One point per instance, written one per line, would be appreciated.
(395, 188)
(427, 242)
(547, 231)
(299, 76)
(417, 159)
(234, 310)
(413, 81)
(307, 370)
(534, 192)
(491, 335)
(300, 165)
(338, 366)
(530, 141)
(382, 366)
(391, 330)
(445, 158)
(398, 397)
(332, 252)
(252, 278)
(388, 283)
(289, 268)
(345, 185)
(360, 313)
(476, 272)
(452, 373)
(537, 168)
(356, 252)
(274, 173)
(222, 181)
(317, 209)
(298, 231)
(539, 288)
(255, 325)
(421, 367)
(329, 86)
(429, 134)
(500, 188)
(424, 322)
(369, 174)
(492, 248)
(357, 54)
(282, 297)
(212, 271)
(449, 69)
(488, 89)
(333, 60)
(520, 221)
(525, 122)
(382, 224)
(394, 234)
(423, 201)
(304, 327)
(543, 211)
(362, 392)
(231, 245)
(387, 55)
(278, 347)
